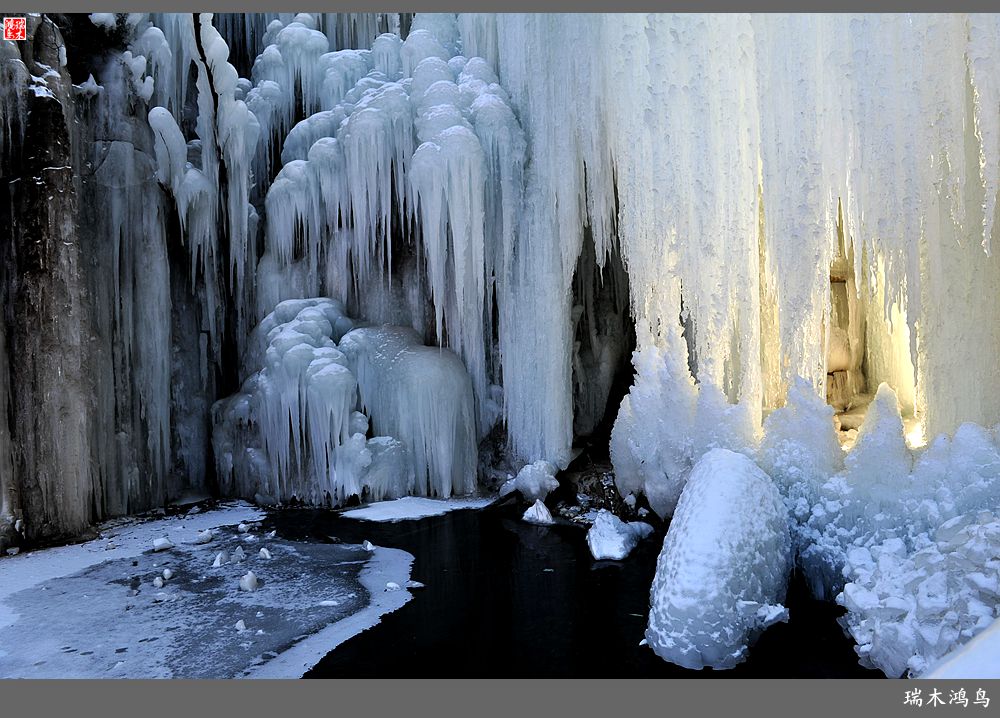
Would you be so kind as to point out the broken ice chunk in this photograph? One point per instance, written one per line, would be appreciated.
(162, 544)
(204, 537)
(264, 553)
(248, 582)
(538, 514)
(612, 538)
(220, 558)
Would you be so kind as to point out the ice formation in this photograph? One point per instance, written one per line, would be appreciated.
(538, 513)
(534, 481)
(908, 609)
(294, 430)
(611, 538)
(792, 210)
(721, 576)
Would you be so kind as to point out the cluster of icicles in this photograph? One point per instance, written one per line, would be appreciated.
(446, 178)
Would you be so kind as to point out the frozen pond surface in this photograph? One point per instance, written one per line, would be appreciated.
(69, 612)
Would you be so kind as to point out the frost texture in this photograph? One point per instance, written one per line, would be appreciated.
(723, 570)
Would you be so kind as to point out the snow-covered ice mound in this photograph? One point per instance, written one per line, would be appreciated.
(722, 573)
(421, 396)
(908, 610)
(294, 429)
(611, 538)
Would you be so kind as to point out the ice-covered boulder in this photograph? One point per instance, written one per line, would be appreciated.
(722, 573)
(611, 538)
(535, 481)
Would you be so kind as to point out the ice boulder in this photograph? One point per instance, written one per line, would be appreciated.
(722, 573)
(534, 481)
(539, 514)
(611, 538)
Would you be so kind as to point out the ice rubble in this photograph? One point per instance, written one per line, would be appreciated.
(908, 609)
(722, 573)
(611, 538)
(294, 430)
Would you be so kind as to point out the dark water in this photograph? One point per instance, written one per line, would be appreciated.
(507, 599)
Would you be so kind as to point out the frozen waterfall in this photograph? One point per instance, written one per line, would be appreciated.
(779, 208)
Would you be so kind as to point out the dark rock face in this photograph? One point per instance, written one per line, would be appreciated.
(99, 323)
(46, 319)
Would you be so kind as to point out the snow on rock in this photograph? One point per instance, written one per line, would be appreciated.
(539, 514)
(106, 20)
(908, 609)
(611, 538)
(204, 537)
(722, 573)
(534, 481)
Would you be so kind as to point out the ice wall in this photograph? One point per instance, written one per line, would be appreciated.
(448, 174)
